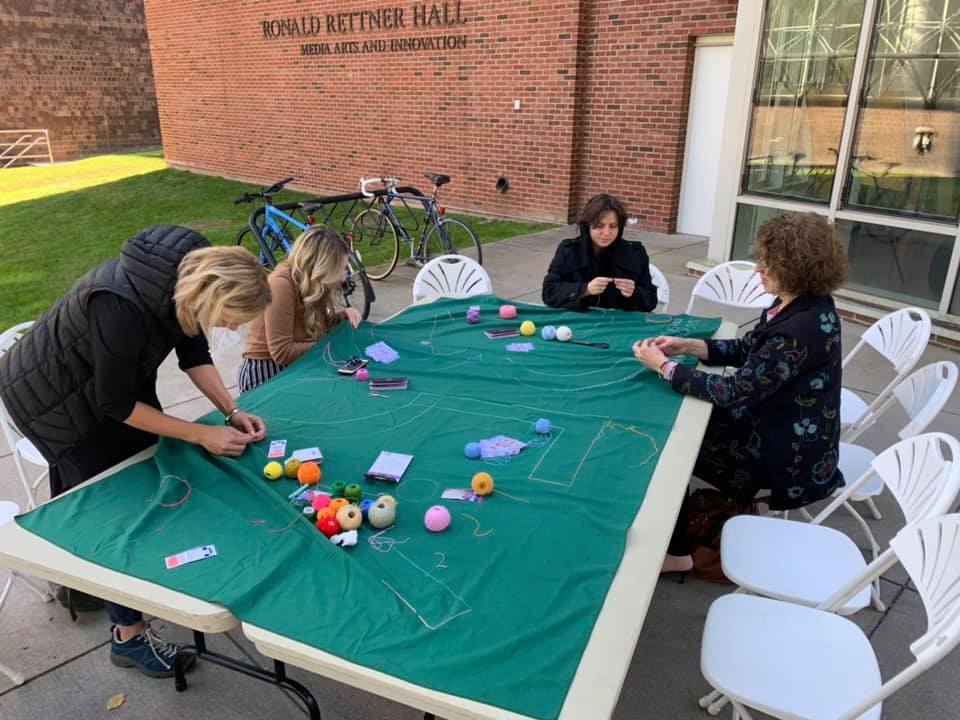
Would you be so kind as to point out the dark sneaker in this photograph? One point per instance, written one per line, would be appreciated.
(76, 601)
(148, 653)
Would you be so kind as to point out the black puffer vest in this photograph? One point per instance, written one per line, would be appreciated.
(47, 379)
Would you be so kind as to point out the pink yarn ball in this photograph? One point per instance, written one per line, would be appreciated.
(320, 501)
(437, 519)
(508, 312)
(363, 375)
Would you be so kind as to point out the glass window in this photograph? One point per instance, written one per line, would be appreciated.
(807, 54)
(906, 153)
(749, 219)
(905, 265)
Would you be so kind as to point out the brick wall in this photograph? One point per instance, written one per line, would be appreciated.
(80, 69)
(602, 88)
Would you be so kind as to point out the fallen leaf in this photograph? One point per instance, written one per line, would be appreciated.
(116, 701)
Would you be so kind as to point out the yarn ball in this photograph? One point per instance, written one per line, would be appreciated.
(329, 527)
(473, 315)
(564, 333)
(362, 375)
(327, 513)
(381, 514)
(353, 493)
(338, 503)
(437, 518)
(390, 499)
(542, 426)
(549, 332)
(350, 517)
(336, 490)
(472, 450)
(273, 470)
(320, 501)
(365, 506)
(309, 513)
(308, 473)
(508, 312)
(291, 468)
(527, 328)
(482, 483)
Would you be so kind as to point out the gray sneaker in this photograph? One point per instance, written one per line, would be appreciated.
(148, 653)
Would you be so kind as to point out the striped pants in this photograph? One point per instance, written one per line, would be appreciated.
(254, 373)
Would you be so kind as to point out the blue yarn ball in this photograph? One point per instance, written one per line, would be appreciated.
(543, 426)
(365, 506)
(472, 450)
(549, 332)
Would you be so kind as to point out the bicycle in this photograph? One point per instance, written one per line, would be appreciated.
(274, 236)
(379, 225)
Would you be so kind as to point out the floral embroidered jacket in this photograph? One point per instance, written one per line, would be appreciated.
(776, 422)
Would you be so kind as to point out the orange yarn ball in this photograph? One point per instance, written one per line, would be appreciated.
(338, 503)
(327, 513)
(482, 483)
(308, 473)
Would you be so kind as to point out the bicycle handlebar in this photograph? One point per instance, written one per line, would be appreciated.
(388, 182)
(262, 192)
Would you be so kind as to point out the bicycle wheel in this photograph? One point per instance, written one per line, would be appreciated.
(452, 236)
(355, 290)
(375, 242)
(246, 239)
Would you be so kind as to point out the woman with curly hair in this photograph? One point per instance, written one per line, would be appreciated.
(304, 307)
(776, 421)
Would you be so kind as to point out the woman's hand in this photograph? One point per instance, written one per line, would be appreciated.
(226, 441)
(671, 346)
(249, 424)
(598, 285)
(353, 317)
(626, 286)
(649, 354)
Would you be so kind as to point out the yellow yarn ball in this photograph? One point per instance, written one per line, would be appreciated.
(291, 469)
(527, 328)
(482, 483)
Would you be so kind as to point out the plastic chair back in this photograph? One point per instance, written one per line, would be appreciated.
(663, 288)
(734, 284)
(451, 276)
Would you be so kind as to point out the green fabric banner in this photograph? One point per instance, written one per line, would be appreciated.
(499, 607)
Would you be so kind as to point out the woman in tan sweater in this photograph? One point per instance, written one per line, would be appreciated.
(303, 309)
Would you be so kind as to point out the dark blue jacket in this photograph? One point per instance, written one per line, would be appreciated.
(776, 421)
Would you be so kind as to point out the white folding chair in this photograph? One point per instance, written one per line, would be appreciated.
(8, 511)
(663, 288)
(806, 563)
(792, 661)
(900, 337)
(734, 284)
(451, 276)
(21, 448)
(922, 395)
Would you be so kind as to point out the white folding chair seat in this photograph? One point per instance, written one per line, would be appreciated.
(791, 661)
(806, 563)
(811, 663)
(900, 337)
(735, 284)
(451, 276)
(663, 288)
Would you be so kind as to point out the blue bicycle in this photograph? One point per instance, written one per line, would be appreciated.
(270, 234)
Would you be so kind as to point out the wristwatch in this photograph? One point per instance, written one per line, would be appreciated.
(229, 416)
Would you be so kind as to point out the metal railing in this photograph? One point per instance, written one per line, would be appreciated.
(18, 149)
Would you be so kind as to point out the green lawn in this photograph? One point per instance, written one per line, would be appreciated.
(48, 242)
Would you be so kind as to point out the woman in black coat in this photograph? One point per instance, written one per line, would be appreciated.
(600, 268)
(776, 421)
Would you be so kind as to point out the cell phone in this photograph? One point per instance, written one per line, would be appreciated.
(394, 383)
(352, 365)
(502, 333)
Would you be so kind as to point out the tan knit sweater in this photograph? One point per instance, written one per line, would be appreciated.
(279, 334)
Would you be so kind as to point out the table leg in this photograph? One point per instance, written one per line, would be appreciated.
(277, 677)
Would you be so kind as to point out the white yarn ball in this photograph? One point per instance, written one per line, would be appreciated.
(564, 333)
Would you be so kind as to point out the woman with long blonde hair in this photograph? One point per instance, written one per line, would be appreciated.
(305, 289)
(81, 384)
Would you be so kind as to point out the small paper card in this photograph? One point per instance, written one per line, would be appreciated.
(397, 383)
(520, 347)
(502, 333)
(278, 448)
(465, 494)
(500, 446)
(308, 454)
(192, 555)
(389, 466)
(381, 352)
